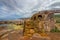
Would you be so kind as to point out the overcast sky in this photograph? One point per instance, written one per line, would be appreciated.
(14, 9)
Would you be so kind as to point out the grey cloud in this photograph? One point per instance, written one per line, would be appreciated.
(22, 8)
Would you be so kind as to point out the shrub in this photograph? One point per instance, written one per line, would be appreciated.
(55, 30)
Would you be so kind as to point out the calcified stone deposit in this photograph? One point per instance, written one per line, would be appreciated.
(40, 22)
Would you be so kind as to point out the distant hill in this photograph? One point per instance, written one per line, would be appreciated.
(57, 16)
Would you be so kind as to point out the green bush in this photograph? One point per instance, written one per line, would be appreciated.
(55, 30)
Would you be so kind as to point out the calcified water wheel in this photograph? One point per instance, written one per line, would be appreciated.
(41, 22)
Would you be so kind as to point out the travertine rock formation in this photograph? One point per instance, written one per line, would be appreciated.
(40, 22)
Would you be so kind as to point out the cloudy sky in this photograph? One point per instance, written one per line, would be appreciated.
(14, 9)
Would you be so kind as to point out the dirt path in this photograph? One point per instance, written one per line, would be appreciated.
(17, 35)
(54, 36)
